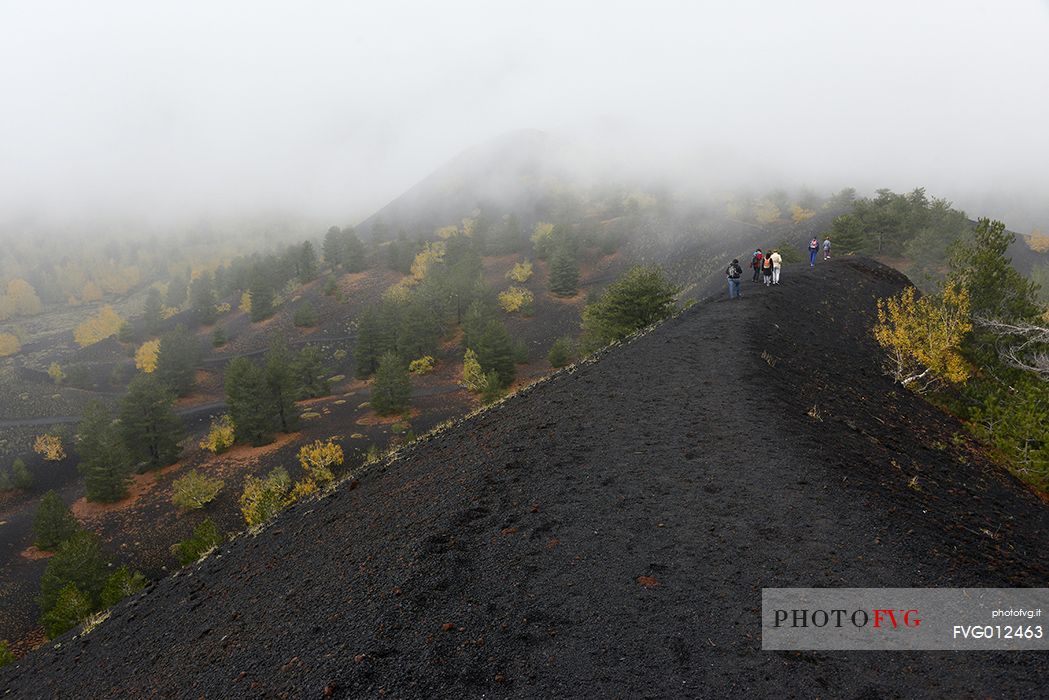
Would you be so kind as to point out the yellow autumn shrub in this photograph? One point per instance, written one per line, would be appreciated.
(146, 356)
(922, 336)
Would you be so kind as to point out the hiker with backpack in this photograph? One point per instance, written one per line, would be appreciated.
(755, 263)
(826, 248)
(777, 263)
(766, 269)
(814, 247)
(733, 272)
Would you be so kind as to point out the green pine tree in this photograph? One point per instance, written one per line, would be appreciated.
(79, 561)
(202, 299)
(564, 272)
(151, 429)
(21, 477)
(104, 460)
(495, 352)
(54, 522)
(248, 399)
(370, 345)
(282, 386)
(309, 371)
(177, 360)
(638, 299)
(153, 311)
(332, 247)
(354, 254)
(71, 607)
(392, 391)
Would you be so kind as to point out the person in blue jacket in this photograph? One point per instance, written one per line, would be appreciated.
(814, 248)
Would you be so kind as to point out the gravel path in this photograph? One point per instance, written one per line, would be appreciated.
(607, 534)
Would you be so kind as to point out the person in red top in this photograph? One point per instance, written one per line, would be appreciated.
(755, 263)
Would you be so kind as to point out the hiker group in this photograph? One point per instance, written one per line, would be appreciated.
(766, 267)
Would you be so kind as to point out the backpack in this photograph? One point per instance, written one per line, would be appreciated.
(756, 260)
(734, 271)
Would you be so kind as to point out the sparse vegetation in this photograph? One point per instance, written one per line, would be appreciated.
(121, 583)
(516, 299)
(50, 447)
(422, 365)
(521, 272)
(206, 536)
(221, 435)
(264, 497)
(194, 490)
(318, 458)
(103, 325)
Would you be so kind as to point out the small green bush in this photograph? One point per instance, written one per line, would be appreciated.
(562, 352)
(194, 490)
(122, 583)
(54, 523)
(305, 316)
(71, 607)
(206, 536)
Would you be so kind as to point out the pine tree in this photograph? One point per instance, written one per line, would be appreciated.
(104, 460)
(176, 295)
(333, 246)
(306, 264)
(79, 561)
(71, 607)
(354, 254)
(282, 386)
(638, 299)
(996, 290)
(261, 289)
(248, 399)
(54, 522)
(420, 330)
(21, 477)
(392, 391)
(177, 360)
(495, 352)
(202, 300)
(369, 344)
(309, 372)
(564, 272)
(151, 429)
(153, 311)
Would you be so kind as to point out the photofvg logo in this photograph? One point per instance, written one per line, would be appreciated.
(904, 618)
(804, 617)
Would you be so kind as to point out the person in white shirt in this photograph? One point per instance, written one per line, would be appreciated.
(777, 263)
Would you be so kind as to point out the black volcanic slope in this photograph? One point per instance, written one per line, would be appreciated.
(509, 556)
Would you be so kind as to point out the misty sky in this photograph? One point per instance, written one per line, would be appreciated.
(330, 109)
